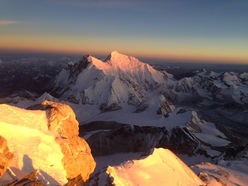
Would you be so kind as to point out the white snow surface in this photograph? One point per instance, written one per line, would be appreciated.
(209, 133)
(244, 75)
(162, 167)
(34, 147)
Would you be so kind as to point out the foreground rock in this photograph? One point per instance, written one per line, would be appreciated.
(30, 179)
(5, 155)
(45, 139)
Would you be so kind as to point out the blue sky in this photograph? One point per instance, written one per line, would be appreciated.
(198, 30)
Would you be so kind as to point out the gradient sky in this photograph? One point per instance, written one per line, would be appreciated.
(183, 30)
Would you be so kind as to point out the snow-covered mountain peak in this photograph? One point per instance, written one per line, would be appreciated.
(115, 53)
(122, 64)
(118, 80)
(119, 57)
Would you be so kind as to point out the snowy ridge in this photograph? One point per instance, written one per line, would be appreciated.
(211, 86)
(160, 167)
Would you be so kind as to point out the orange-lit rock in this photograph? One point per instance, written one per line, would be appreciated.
(44, 139)
(5, 155)
(77, 158)
(61, 119)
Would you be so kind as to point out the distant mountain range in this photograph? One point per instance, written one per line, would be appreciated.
(124, 105)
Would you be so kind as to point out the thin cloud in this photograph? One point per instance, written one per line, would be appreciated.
(7, 22)
(100, 3)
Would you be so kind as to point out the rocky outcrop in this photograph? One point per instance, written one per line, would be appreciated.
(30, 179)
(127, 138)
(77, 158)
(46, 139)
(166, 107)
(5, 155)
(61, 119)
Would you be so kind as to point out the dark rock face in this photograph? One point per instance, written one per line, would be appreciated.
(165, 108)
(112, 107)
(76, 68)
(127, 139)
(140, 139)
(181, 142)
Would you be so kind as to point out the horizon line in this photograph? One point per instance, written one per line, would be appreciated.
(147, 59)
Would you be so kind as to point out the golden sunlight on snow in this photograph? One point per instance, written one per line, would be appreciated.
(162, 167)
(31, 142)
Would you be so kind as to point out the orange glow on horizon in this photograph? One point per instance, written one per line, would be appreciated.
(196, 57)
(76, 46)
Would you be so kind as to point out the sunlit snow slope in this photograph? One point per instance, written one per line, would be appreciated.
(45, 140)
(34, 146)
(161, 167)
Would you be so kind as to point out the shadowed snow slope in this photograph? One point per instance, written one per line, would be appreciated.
(46, 140)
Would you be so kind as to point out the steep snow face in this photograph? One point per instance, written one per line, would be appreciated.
(206, 132)
(133, 68)
(117, 81)
(161, 167)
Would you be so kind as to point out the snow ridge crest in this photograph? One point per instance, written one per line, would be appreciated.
(116, 56)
